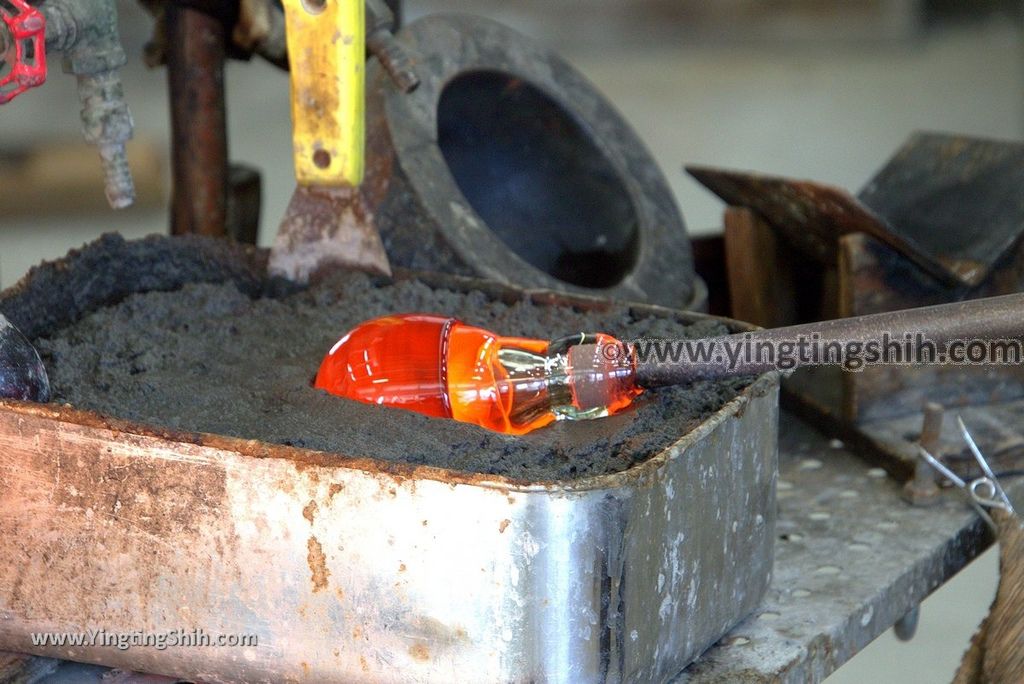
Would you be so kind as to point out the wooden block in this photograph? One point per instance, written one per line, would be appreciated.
(709, 263)
(761, 285)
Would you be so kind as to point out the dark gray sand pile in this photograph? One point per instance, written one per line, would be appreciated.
(209, 358)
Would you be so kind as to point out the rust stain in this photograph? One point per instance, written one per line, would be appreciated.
(504, 525)
(314, 463)
(363, 664)
(437, 634)
(309, 511)
(357, 633)
(420, 652)
(340, 593)
(401, 567)
(317, 564)
(334, 489)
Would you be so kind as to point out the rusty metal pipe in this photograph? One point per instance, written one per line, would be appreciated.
(923, 488)
(988, 319)
(195, 74)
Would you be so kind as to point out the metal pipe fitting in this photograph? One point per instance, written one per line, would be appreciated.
(86, 32)
(107, 123)
(380, 41)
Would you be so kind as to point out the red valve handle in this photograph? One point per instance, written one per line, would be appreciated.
(26, 27)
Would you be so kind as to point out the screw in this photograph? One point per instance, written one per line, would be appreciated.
(923, 489)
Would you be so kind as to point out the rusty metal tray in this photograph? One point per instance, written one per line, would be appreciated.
(404, 573)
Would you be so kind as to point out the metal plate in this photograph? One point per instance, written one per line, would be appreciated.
(957, 199)
(812, 216)
(852, 559)
(952, 205)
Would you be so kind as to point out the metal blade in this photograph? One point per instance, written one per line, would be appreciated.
(324, 227)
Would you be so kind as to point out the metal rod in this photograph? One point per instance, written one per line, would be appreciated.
(922, 489)
(195, 75)
(986, 319)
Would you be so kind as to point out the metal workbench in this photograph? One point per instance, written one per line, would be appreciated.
(851, 559)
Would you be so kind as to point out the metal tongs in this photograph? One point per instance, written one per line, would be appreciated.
(985, 492)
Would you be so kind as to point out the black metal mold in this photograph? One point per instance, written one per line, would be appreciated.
(540, 184)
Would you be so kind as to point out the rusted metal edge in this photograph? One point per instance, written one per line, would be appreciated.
(813, 216)
(399, 471)
(327, 228)
(121, 430)
(957, 197)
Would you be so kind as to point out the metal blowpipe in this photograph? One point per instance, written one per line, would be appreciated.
(441, 367)
(922, 335)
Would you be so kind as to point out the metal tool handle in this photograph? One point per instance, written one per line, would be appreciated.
(327, 52)
(990, 319)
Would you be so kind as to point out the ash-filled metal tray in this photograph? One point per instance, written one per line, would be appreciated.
(352, 568)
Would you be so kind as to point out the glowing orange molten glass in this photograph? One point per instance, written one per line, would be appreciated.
(441, 367)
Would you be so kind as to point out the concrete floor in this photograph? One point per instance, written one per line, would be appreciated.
(832, 113)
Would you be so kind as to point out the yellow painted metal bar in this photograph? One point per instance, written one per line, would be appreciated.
(327, 55)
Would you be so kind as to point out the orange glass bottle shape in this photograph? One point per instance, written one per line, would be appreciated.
(441, 367)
